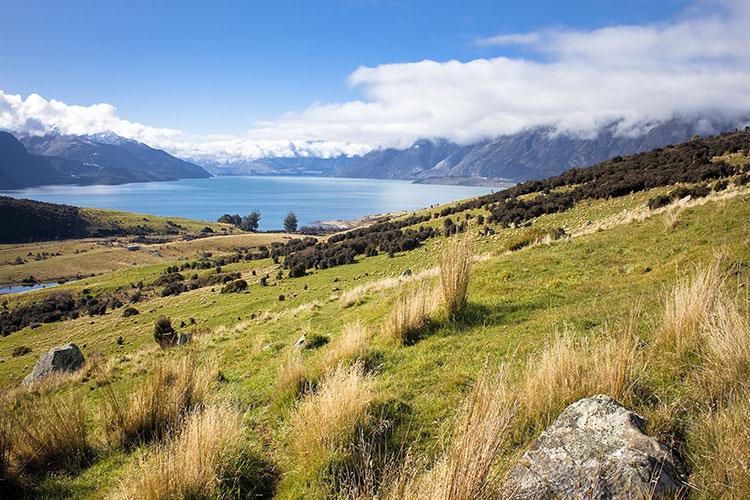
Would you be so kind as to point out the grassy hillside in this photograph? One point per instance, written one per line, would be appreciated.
(24, 221)
(621, 295)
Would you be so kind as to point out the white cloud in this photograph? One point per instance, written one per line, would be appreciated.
(573, 81)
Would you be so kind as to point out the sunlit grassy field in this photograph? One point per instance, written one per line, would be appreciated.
(610, 275)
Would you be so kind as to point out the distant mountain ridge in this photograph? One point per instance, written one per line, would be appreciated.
(105, 159)
(108, 151)
(527, 155)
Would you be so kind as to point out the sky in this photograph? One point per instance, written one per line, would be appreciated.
(233, 80)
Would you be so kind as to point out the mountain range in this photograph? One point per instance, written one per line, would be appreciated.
(96, 159)
(531, 154)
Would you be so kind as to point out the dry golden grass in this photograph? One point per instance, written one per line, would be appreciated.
(411, 313)
(324, 424)
(571, 369)
(721, 445)
(686, 307)
(173, 389)
(672, 215)
(190, 463)
(290, 376)
(47, 433)
(726, 352)
(465, 470)
(352, 345)
(455, 267)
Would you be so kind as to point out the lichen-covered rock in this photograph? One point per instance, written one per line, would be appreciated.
(595, 449)
(64, 358)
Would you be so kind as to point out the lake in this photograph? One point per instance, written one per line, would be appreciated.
(313, 199)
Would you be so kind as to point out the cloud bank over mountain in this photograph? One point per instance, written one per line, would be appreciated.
(575, 82)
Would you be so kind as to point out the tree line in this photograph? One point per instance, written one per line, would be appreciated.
(251, 222)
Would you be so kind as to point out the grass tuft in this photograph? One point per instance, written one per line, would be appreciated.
(727, 348)
(465, 469)
(352, 345)
(47, 433)
(192, 462)
(720, 446)
(324, 424)
(455, 267)
(410, 314)
(173, 389)
(686, 307)
(290, 377)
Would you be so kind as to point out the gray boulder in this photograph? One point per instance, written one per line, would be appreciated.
(595, 449)
(64, 358)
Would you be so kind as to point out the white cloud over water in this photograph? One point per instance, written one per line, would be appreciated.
(574, 81)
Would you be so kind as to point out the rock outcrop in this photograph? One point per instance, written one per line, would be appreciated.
(64, 358)
(595, 449)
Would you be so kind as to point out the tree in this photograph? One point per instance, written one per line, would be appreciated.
(230, 219)
(251, 221)
(290, 222)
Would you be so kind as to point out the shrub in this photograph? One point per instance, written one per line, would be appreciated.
(455, 265)
(315, 340)
(20, 351)
(174, 288)
(164, 334)
(325, 423)
(235, 287)
(172, 390)
(193, 460)
(129, 311)
(49, 433)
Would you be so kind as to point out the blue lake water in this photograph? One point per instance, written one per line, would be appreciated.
(311, 198)
(24, 288)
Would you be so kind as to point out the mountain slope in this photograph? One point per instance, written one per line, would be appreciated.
(114, 153)
(527, 155)
(19, 169)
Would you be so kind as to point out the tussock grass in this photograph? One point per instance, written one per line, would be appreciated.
(290, 376)
(720, 446)
(686, 307)
(173, 389)
(726, 335)
(192, 462)
(571, 369)
(672, 215)
(455, 267)
(465, 471)
(47, 433)
(352, 345)
(324, 424)
(411, 314)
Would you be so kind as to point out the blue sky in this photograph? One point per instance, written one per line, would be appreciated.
(218, 67)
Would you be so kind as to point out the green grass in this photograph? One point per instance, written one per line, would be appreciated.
(518, 302)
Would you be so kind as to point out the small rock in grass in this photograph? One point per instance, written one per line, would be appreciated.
(65, 358)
